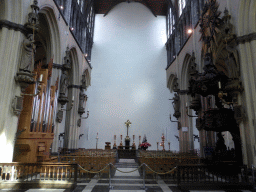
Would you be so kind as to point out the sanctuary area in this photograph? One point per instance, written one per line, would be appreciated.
(170, 85)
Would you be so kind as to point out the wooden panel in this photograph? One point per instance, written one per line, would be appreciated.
(37, 136)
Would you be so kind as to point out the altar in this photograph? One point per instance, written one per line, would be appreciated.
(126, 151)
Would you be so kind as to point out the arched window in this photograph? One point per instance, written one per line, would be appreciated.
(82, 6)
(170, 22)
(182, 4)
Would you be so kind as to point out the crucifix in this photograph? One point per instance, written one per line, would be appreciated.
(127, 123)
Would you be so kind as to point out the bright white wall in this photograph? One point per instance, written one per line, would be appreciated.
(128, 78)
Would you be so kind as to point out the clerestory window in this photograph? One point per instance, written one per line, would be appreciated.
(182, 4)
(170, 23)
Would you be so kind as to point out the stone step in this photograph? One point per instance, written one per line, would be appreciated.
(126, 163)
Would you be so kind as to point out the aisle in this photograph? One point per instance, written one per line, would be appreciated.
(126, 182)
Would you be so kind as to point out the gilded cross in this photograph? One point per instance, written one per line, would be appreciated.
(127, 123)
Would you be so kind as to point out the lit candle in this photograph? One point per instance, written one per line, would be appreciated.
(41, 78)
(219, 85)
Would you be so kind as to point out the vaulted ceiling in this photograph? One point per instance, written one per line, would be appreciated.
(157, 7)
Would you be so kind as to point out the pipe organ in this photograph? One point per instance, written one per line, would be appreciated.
(36, 123)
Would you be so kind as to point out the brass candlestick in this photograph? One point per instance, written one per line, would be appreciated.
(114, 146)
(139, 141)
(163, 142)
(121, 143)
(133, 143)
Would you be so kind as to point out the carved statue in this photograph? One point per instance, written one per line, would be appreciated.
(64, 83)
(82, 98)
(210, 71)
(33, 18)
(176, 105)
(67, 60)
(192, 66)
(220, 144)
(206, 83)
(27, 60)
(176, 102)
(175, 85)
(84, 80)
(144, 139)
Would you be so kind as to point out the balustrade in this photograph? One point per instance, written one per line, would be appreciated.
(12, 175)
(91, 161)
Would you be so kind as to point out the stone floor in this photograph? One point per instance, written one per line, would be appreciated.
(123, 182)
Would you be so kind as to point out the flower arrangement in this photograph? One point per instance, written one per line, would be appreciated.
(144, 145)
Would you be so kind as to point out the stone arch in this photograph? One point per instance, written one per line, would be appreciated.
(184, 72)
(247, 17)
(75, 67)
(247, 49)
(116, 3)
(54, 36)
(87, 78)
(186, 121)
(171, 82)
(71, 128)
(53, 45)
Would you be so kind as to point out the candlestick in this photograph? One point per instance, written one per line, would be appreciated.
(133, 143)
(41, 78)
(121, 143)
(139, 142)
(163, 142)
(114, 146)
(97, 138)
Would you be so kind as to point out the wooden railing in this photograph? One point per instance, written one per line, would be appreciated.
(91, 161)
(208, 176)
(14, 173)
(187, 177)
(153, 153)
(163, 161)
(190, 174)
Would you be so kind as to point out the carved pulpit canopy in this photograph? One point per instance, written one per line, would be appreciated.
(209, 23)
(206, 83)
(221, 64)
